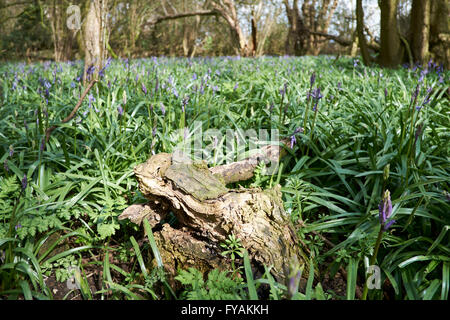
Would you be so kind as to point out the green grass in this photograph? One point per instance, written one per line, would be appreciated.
(332, 181)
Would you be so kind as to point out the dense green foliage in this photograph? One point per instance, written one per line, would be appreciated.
(371, 130)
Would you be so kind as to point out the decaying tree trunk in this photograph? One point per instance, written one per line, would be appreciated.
(208, 212)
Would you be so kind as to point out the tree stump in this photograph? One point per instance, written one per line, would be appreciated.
(208, 212)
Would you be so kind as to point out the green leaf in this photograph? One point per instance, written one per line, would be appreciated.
(249, 276)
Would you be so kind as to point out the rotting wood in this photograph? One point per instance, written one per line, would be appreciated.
(208, 212)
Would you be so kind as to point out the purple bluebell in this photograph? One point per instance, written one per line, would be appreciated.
(144, 89)
(294, 283)
(120, 110)
(293, 141)
(385, 211)
(17, 226)
(24, 182)
(235, 86)
(91, 99)
(312, 79)
(194, 76)
(90, 70)
(11, 151)
(5, 165)
(415, 93)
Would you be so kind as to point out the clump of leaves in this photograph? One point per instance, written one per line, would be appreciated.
(218, 286)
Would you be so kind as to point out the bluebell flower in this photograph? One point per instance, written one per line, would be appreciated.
(5, 165)
(385, 211)
(312, 79)
(293, 141)
(11, 151)
(144, 89)
(120, 110)
(24, 182)
(91, 99)
(90, 70)
(415, 93)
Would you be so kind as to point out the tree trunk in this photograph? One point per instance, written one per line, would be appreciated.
(440, 32)
(94, 38)
(360, 30)
(420, 30)
(391, 50)
(296, 41)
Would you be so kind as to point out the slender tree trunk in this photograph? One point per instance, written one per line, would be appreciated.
(420, 29)
(94, 38)
(254, 34)
(391, 51)
(360, 31)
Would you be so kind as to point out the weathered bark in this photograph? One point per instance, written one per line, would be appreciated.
(63, 38)
(95, 38)
(208, 212)
(420, 30)
(391, 50)
(322, 23)
(308, 28)
(297, 34)
(440, 32)
(360, 30)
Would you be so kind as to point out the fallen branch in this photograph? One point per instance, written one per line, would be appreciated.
(49, 130)
(159, 19)
(343, 42)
